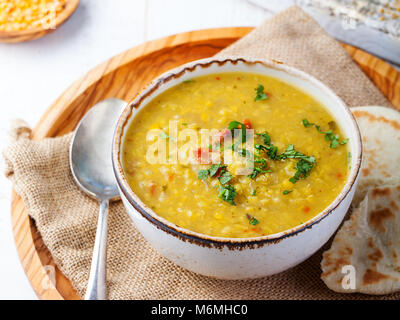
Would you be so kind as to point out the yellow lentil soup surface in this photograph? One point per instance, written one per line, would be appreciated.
(192, 196)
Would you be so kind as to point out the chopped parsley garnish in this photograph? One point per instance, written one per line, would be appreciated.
(272, 151)
(303, 170)
(227, 193)
(214, 169)
(234, 125)
(329, 135)
(254, 192)
(202, 174)
(303, 166)
(225, 177)
(334, 143)
(257, 171)
(188, 81)
(259, 167)
(244, 153)
(291, 153)
(235, 145)
(269, 148)
(266, 138)
(261, 161)
(349, 159)
(253, 221)
(260, 94)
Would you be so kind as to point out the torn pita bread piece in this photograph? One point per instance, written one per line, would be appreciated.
(365, 254)
(380, 133)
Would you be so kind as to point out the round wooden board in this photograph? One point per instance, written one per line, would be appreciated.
(122, 77)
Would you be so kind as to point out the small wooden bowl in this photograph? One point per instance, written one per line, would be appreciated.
(35, 33)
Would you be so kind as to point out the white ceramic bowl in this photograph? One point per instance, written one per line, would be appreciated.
(239, 258)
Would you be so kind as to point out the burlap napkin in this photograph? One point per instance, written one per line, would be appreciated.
(66, 218)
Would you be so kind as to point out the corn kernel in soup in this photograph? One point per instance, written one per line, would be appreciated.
(299, 166)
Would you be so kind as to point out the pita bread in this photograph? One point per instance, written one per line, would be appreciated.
(380, 132)
(370, 242)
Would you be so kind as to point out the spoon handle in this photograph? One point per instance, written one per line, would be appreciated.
(96, 289)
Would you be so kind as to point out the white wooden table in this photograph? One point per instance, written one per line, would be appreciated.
(34, 74)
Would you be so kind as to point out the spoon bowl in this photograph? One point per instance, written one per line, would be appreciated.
(90, 154)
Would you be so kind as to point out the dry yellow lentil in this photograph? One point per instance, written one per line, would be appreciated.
(28, 14)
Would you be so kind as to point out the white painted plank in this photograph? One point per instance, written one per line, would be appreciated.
(273, 6)
(175, 16)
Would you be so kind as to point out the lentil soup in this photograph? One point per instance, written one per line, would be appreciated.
(300, 158)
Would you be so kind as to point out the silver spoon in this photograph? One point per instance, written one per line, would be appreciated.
(91, 166)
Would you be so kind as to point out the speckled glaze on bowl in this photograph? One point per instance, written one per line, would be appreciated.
(239, 258)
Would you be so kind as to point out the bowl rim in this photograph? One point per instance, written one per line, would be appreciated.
(204, 239)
